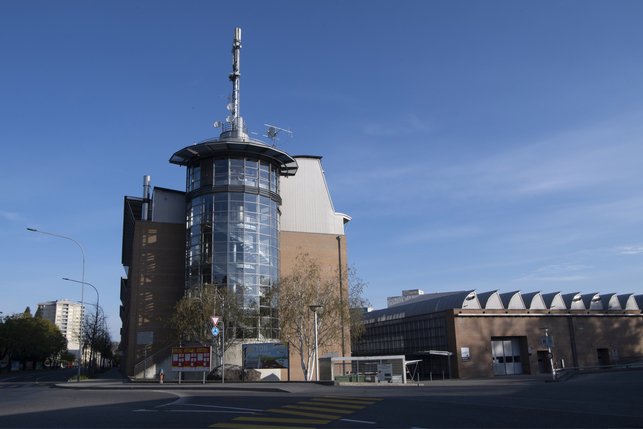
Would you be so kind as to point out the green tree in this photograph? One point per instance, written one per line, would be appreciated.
(26, 338)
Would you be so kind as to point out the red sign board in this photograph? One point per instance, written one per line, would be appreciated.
(191, 358)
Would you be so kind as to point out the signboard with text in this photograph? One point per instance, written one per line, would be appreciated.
(265, 355)
(191, 358)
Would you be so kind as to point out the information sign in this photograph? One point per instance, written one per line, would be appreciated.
(191, 358)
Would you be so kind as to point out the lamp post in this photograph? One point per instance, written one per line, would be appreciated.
(95, 327)
(314, 309)
(82, 293)
(88, 284)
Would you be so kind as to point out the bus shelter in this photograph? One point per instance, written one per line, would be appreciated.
(363, 369)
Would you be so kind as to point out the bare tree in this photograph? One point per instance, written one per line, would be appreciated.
(357, 304)
(95, 335)
(304, 287)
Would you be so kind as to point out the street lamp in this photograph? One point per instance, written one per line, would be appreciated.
(82, 293)
(314, 308)
(95, 318)
(88, 284)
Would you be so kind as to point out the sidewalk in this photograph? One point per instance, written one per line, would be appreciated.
(114, 380)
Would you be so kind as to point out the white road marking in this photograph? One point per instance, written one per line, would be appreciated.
(358, 421)
(250, 410)
(210, 411)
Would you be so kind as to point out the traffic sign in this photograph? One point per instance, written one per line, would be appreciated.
(547, 341)
(215, 320)
(215, 331)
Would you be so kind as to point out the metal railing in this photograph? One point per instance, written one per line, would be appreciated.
(152, 359)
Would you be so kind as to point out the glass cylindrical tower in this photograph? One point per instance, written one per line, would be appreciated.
(232, 216)
(232, 224)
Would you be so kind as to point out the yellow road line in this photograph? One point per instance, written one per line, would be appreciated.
(345, 401)
(321, 405)
(303, 413)
(357, 398)
(281, 420)
(323, 409)
(230, 425)
(325, 402)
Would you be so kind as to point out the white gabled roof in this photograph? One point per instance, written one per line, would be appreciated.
(306, 202)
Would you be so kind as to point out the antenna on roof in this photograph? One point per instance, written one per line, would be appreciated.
(234, 122)
(273, 131)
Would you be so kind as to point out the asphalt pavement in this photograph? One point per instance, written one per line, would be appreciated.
(603, 399)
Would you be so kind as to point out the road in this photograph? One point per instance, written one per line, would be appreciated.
(596, 400)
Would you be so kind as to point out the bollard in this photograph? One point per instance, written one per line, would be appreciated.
(161, 377)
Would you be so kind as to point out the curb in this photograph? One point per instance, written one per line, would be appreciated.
(89, 385)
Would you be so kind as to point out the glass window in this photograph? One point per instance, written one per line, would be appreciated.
(236, 172)
(221, 172)
(251, 173)
(274, 179)
(194, 178)
(264, 175)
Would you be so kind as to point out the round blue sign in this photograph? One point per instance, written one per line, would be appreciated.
(215, 331)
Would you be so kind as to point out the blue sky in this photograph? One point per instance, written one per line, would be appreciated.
(476, 144)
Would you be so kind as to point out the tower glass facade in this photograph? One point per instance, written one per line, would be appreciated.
(232, 217)
(233, 235)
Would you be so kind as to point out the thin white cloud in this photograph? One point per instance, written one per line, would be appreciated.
(406, 126)
(583, 159)
(558, 273)
(449, 233)
(635, 249)
(10, 216)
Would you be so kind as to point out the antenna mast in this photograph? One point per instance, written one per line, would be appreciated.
(235, 118)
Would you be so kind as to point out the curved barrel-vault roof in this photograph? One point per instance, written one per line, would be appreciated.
(470, 299)
(574, 301)
(534, 301)
(490, 300)
(512, 300)
(628, 302)
(610, 301)
(554, 301)
(592, 301)
(427, 303)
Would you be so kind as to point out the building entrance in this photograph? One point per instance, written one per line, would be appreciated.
(506, 356)
(544, 366)
(603, 357)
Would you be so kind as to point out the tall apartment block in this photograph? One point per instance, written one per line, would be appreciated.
(66, 315)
